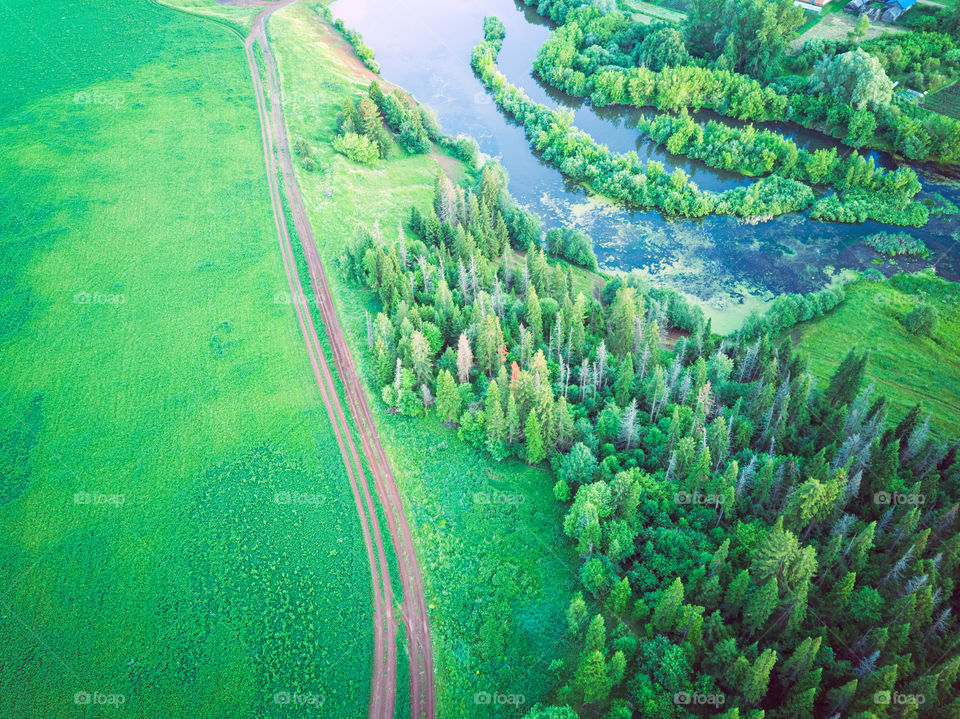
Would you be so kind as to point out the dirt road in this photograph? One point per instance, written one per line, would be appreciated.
(416, 625)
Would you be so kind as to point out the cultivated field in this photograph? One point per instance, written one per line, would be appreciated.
(905, 368)
(946, 101)
(176, 526)
(495, 574)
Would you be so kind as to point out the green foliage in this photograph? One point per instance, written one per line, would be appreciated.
(364, 52)
(494, 31)
(358, 148)
(922, 320)
(897, 244)
(855, 77)
(575, 246)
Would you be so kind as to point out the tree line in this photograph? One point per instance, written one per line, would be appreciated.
(607, 58)
(869, 194)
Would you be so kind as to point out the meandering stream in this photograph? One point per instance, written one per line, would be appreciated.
(729, 267)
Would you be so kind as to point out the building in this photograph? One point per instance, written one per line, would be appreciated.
(894, 9)
(855, 6)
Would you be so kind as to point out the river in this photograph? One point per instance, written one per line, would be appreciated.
(728, 267)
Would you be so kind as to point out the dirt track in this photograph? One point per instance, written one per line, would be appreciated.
(383, 679)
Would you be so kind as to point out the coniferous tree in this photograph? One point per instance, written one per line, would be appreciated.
(533, 434)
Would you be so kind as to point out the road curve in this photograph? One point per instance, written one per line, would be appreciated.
(383, 677)
(414, 610)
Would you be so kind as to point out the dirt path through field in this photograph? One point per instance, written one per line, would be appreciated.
(383, 676)
(413, 610)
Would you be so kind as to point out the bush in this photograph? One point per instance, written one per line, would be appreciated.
(895, 244)
(922, 321)
(357, 147)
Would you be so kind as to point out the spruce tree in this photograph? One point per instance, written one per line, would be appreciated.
(668, 608)
(536, 451)
(760, 605)
(448, 397)
(623, 387)
(596, 639)
(496, 424)
(577, 613)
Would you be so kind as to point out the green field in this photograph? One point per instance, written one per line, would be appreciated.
(652, 12)
(905, 368)
(156, 396)
(498, 578)
(945, 101)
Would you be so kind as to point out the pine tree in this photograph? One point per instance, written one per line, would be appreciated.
(668, 608)
(760, 605)
(736, 590)
(623, 388)
(620, 596)
(596, 640)
(532, 314)
(620, 330)
(846, 381)
(758, 679)
(591, 678)
(576, 613)
(464, 359)
(618, 665)
(533, 433)
(448, 397)
(839, 597)
(420, 355)
(496, 424)
(512, 420)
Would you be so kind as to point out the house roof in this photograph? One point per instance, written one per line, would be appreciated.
(903, 3)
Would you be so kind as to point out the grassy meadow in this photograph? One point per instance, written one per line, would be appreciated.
(906, 368)
(498, 577)
(177, 530)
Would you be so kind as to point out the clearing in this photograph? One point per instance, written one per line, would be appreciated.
(906, 368)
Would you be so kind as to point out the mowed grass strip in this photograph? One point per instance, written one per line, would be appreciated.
(498, 576)
(906, 368)
(177, 530)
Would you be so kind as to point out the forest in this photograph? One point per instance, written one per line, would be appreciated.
(752, 543)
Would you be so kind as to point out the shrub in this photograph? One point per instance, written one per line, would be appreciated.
(357, 147)
(922, 321)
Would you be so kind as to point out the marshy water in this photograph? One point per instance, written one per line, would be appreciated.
(729, 267)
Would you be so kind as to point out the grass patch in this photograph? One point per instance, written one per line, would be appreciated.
(143, 355)
(497, 577)
(945, 101)
(906, 368)
(656, 12)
